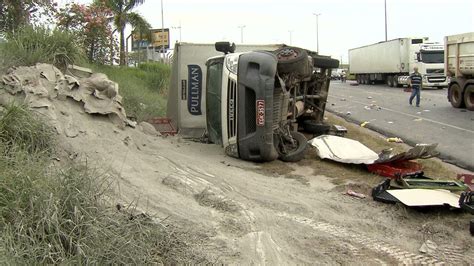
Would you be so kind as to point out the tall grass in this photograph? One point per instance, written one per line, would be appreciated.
(62, 215)
(143, 89)
(31, 45)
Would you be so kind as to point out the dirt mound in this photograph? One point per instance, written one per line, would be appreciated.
(43, 85)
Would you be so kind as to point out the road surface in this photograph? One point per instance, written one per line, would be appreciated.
(388, 112)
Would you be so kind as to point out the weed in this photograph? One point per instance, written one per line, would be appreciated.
(143, 89)
(31, 45)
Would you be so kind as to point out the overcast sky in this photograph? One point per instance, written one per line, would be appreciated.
(342, 24)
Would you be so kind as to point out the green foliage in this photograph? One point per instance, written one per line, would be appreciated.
(31, 45)
(123, 15)
(90, 26)
(18, 13)
(59, 215)
(143, 89)
(20, 129)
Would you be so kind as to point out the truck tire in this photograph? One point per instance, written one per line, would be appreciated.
(325, 62)
(390, 81)
(359, 79)
(455, 96)
(469, 97)
(286, 152)
(313, 127)
(395, 82)
(291, 59)
(471, 227)
(366, 79)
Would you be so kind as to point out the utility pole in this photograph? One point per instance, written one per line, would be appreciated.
(317, 31)
(162, 34)
(385, 1)
(179, 28)
(241, 33)
(290, 31)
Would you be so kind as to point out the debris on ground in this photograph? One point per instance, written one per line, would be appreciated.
(364, 124)
(415, 197)
(343, 150)
(429, 247)
(468, 179)
(351, 192)
(394, 139)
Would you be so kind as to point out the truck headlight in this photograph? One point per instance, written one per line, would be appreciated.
(231, 62)
(425, 79)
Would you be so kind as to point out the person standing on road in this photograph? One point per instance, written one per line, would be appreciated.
(415, 84)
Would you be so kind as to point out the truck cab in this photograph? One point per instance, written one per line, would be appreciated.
(255, 99)
(429, 58)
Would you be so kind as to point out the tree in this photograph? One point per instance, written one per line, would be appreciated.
(17, 13)
(123, 15)
(90, 24)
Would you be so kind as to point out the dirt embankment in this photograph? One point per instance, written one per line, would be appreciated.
(230, 211)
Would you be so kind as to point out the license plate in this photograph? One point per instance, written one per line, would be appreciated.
(260, 113)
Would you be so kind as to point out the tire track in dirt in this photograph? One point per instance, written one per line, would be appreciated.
(377, 246)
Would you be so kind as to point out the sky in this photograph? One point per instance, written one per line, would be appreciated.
(342, 25)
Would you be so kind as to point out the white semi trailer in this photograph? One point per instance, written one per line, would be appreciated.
(459, 65)
(391, 62)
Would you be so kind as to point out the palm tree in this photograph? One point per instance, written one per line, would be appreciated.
(122, 15)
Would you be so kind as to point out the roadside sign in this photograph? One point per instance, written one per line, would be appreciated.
(157, 39)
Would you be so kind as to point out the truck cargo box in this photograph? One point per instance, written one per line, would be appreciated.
(383, 57)
(186, 96)
(459, 54)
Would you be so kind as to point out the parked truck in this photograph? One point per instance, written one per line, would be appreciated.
(459, 66)
(391, 62)
(251, 102)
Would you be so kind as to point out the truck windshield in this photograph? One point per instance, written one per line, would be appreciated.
(432, 56)
(213, 99)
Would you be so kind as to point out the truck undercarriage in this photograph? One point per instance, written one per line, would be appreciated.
(278, 93)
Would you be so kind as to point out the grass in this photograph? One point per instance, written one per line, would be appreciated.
(31, 45)
(52, 214)
(143, 89)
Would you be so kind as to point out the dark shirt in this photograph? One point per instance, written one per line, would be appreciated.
(415, 79)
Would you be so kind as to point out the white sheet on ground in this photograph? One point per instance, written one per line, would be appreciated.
(425, 197)
(343, 150)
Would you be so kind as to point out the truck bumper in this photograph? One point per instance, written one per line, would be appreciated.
(256, 85)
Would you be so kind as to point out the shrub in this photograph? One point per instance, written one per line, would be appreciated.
(20, 129)
(143, 89)
(31, 45)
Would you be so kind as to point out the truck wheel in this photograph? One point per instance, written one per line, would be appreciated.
(315, 128)
(455, 96)
(469, 97)
(366, 79)
(359, 79)
(390, 81)
(290, 59)
(395, 82)
(289, 152)
(471, 227)
(325, 62)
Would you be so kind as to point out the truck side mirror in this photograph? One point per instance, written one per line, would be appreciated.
(417, 57)
(225, 47)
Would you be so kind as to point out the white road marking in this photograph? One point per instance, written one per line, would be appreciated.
(410, 115)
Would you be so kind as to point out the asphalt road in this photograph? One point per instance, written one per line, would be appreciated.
(388, 112)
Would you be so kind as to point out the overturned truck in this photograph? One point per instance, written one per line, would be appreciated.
(253, 101)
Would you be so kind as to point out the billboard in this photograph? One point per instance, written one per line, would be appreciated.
(157, 39)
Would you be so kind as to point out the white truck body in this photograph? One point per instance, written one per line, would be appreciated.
(459, 66)
(187, 94)
(392, 62)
